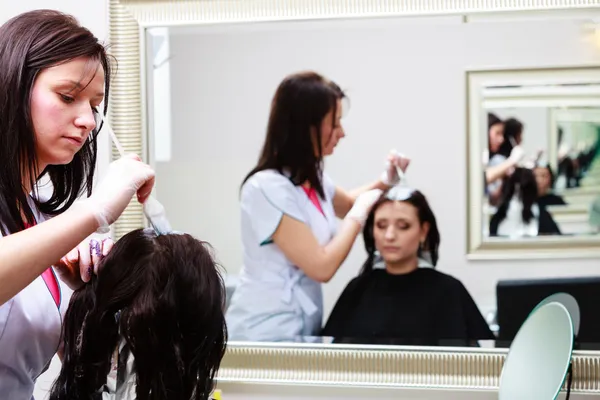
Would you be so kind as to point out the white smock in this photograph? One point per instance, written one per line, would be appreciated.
(274, 299)
(30, 329)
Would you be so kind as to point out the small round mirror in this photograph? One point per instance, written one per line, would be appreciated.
(570, 304)
(539, 356)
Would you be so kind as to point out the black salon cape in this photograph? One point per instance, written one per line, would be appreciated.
(546, 224)
(424, 307)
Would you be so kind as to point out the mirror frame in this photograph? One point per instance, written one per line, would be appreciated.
(338, 366)
(563, 247)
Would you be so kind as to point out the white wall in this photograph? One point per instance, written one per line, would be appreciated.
(94, 16)
(406, 81)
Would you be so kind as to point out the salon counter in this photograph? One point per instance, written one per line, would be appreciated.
(241, 391)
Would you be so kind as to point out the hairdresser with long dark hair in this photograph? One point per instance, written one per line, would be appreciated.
(54, 74)
(290, 238)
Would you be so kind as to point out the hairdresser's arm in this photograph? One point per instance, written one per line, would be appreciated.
(26, 254)
(343, 200)
(498, 171)
(297, 242)
(300, 246)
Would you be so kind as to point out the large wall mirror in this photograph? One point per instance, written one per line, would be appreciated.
(193, 94)
(534, 166)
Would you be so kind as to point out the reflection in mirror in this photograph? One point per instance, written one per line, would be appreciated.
(215, 92)
(543, 170)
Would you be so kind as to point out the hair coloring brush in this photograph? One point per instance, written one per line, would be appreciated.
(152, 208)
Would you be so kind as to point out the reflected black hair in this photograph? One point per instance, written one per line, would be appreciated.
(425, 214)
(492, 119)
(300, 104)
(171, 297)
(513, 128)
(522, 183)
(550, 172)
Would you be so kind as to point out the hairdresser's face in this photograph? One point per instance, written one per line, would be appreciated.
(542, 178)
(331, 130)
(496, 134)
(398, 232)
(62, 102)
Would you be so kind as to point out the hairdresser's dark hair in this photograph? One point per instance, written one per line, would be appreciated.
(171, 297)
(425, 214)
(30, 43)
(492, 120)
(522, 183)
(513, 129)
(299, 105)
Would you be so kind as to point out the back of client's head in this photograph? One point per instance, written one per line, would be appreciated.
(521, 183)
(400, 226)
(170, 296)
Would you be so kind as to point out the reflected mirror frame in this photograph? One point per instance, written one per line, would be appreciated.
(547, 247)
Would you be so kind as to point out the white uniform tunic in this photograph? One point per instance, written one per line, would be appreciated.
(30, 328)
(274, 299)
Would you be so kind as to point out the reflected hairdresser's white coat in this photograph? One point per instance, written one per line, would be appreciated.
(274, 299)
(513, 225)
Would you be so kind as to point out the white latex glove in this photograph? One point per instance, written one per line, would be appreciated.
(390, 175)
(363, 205)
(517, 154)
(125, 177)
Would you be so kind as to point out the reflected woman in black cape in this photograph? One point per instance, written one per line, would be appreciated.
(399, 297)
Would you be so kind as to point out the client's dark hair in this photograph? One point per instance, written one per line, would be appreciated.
(425, 213)
(521, 182)
(550, 172)
(171, 299)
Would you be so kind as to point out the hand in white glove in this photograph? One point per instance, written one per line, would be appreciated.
(390, 175)
(517, 154)
(79, 264)
(363, 205)
(125, 177)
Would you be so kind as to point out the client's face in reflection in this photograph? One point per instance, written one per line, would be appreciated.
(543, 180)
(398, 233)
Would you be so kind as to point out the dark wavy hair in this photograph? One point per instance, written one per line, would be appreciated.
(492, 119)
(171, 298)
(300, 104)
(425, 214)
(522, 183)
(30, 43)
